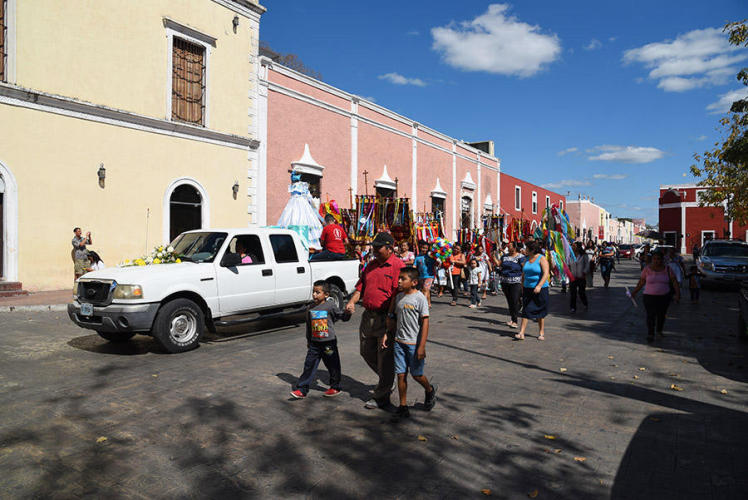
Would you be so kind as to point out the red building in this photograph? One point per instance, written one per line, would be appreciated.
(683, 223)
(522, 200)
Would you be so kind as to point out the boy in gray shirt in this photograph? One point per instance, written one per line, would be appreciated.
(411, 309)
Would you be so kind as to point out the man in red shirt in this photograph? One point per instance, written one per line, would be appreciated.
(377, 287)
(333, 241)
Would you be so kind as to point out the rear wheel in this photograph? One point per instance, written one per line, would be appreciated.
(116, 336)
(179, 325)
(337, 295)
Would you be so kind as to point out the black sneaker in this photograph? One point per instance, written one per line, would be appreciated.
(430, 400)
(402, 413)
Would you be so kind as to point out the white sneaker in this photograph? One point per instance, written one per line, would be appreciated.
(371, 404)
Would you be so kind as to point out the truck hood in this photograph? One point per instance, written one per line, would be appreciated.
(143, 275)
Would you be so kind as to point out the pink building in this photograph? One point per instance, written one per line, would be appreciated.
(344, 145)
(590, 221)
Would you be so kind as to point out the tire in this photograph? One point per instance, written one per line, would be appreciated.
(337, 295)
(179, 325)
(116, 337)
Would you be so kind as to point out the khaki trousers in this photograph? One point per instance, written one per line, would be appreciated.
(382, 361)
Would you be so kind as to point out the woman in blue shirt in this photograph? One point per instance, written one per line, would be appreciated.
(535, 290)
(510, 272)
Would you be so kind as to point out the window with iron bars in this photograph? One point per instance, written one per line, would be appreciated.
(188, 82)
(3, 31)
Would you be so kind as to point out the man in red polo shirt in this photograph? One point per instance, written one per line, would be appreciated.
(377, 287)
(333, 240)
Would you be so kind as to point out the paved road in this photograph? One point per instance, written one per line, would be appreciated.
(218, 421)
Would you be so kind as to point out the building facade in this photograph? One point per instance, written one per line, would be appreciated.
(132, 120)
(344, 145)
(525, 201)
(683, 223)
(591, 222)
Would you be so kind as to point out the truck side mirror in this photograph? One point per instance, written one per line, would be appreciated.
(231, 259)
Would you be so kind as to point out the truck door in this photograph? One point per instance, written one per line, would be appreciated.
(249, 285)
(292, 275)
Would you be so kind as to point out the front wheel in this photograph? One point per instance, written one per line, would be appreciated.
(337, 295)
(179, 325)
(116, 336)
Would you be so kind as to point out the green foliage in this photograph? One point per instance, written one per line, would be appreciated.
(725, 168)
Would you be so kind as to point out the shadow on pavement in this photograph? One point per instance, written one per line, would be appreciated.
(139, 344)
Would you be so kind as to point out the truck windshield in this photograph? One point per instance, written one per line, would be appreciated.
(198, 247)
(726, 250)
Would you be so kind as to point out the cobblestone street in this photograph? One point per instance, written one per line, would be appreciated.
(592, 412)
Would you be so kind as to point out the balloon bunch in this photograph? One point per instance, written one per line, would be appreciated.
(441, 249)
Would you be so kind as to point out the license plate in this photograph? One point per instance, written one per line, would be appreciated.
(87, 309)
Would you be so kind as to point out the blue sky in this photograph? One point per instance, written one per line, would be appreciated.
(607, 99)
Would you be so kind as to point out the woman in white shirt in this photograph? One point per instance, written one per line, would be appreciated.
(96, 263)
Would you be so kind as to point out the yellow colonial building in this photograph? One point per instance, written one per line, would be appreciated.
(134, 120)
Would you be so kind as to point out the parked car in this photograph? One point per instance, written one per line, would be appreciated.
(626, 251)
(724, 261)
(175, 302)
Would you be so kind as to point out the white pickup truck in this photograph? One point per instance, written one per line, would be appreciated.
(174, 303)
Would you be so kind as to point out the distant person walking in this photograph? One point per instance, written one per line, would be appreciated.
(579, 269)
(510, 274)
(645, 257)
(80, 253)
(659, 283)
(535, 295)
(457, 259)
(377, 286)
(592, 256)
(607, 257)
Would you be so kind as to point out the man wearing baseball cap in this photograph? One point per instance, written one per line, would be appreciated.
(376, 288)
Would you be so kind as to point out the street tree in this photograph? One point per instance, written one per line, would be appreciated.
(724, 169)
(289, 60)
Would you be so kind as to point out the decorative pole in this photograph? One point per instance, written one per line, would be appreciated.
(366, 182)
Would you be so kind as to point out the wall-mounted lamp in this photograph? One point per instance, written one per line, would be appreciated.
(102, 174)
(235, 22)
(235, 188)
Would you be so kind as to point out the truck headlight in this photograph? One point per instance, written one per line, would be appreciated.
(707, 266)
(75, 290)
(128, 292)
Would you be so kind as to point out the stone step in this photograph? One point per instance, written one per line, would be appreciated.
(12, 293)
(7, 286)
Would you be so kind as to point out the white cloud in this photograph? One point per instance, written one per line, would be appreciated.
(699, 58)
(567, 151)
(496, 43)
(613, 177)
(399, 79)
(627, 154)
(725, 101)
(594, 44)
(413, 33)
(701, 138)
(566, 183)
(612, 39)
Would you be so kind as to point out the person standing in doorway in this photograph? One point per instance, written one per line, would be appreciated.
(376, 287)
(80, 253)
(510, 273)
(579, 269)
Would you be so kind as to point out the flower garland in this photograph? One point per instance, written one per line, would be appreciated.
(159, 255)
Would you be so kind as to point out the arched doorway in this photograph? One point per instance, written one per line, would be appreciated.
(185, 207)
(184, 210)
(8, 225)
(466, 212)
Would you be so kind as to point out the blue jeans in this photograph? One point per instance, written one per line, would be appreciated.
(474, 298)
(328, 353)
(405, 359)
(327, 255)
(605, 267)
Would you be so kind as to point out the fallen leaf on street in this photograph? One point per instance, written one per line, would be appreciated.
(580, 459)
(549, 436)
(455, 437)
(654, 419)
(154, 375)
(636, 376)
(723, 391)
(674, 375)
(422, 438)
(102, 439)
(611, 357)
(642, 369)
(533, 494)
(486, 492)
(612, 378)
(557, 450)
(562, 370)
(675, 387)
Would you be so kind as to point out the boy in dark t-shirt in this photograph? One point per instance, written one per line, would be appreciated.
(321, 342)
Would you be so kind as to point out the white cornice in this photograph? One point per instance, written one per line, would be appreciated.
(243, 7)
(385, 181)
(489, 202)
(16, 96)
(467, 182)
(438, 192)
(306, 164)
(680, 186)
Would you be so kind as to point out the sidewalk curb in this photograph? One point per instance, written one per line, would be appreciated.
(38, 308)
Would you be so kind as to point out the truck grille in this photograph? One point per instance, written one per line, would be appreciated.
(95, 292)
(731, 269)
